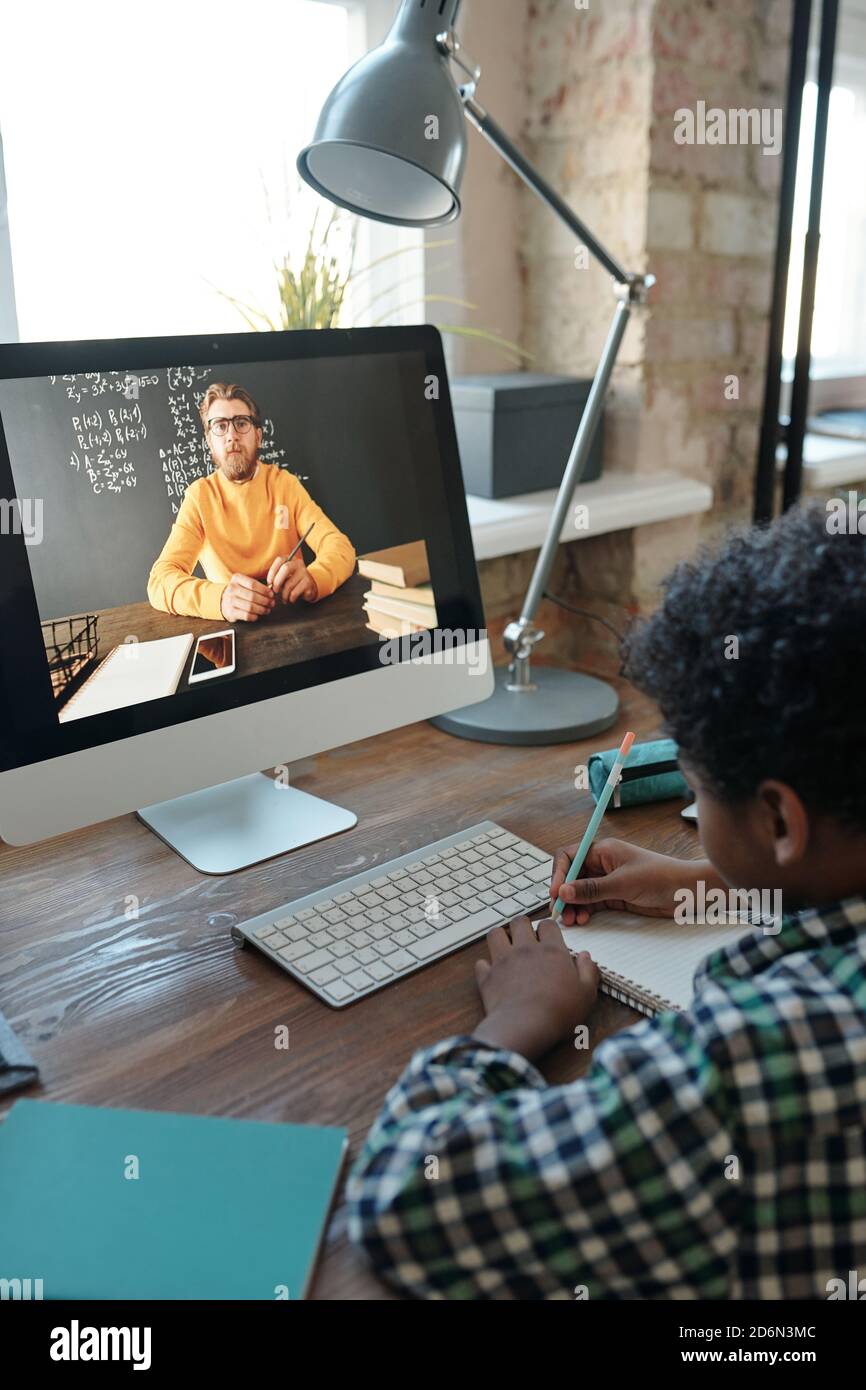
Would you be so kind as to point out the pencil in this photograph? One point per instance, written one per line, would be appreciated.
(595, 820)
(296, 549)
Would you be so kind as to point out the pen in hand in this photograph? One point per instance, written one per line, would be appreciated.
(295, 550)
(595, 820)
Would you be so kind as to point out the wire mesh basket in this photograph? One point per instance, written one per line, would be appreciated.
(71, 646)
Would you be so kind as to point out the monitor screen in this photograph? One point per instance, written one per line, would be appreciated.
(190, 525)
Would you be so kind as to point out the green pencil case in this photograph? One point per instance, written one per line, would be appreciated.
(652, 773)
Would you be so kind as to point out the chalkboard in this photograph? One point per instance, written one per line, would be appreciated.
(110, 454)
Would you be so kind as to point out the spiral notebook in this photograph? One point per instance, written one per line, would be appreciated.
(648, 963)
(131, 673)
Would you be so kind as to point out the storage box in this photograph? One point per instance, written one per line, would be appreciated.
(516, 430)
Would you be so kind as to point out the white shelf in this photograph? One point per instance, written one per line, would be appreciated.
(615, 503)
(829, 462)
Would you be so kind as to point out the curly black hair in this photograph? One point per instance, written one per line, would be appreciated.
(786, 699)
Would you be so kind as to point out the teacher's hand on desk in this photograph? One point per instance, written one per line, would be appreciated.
(245, 600)
(291, 580)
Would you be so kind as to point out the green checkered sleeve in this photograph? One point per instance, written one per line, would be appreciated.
(479, 1180)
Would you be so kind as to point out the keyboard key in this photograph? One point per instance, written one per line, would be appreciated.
(307, 964)
(277, 940)
(379, 882)
(401, 960)
(321, 938)
(342, 898)
(304, 914)
(359, 938)
(298, 932)
(324, 976)
(326, 905)
(379, 970)
(455, 934)
(284, 922)
(377, 914)
(352, 907)
(360, 922)
(455, 914)
(295, 951)
(397, 875)
(530, 896)
(389, 892)
(341, 949)
(344, 930)
(371, 900)
(511, 907)
(378, 930)
(403, 938)
(339, 991)
(366, 955)
(261, 932)
(359, 979)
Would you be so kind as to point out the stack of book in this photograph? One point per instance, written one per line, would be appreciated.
(400, 599)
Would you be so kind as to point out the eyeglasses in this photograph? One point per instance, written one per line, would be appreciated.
(220, 424)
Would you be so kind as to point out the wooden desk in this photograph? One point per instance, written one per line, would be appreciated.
(164, 1013)
(292, 632)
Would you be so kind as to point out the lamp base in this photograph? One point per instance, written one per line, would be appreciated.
(565, 707)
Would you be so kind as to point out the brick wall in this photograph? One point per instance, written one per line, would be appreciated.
(602, 87)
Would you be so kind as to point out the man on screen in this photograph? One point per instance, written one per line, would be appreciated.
(241, 523)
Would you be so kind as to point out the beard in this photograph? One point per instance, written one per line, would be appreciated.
(239, 464)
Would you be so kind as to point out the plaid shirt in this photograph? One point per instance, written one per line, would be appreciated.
(714, 1153)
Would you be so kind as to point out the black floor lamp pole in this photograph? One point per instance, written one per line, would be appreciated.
(772, 432)
(793, 479)
(765, 478)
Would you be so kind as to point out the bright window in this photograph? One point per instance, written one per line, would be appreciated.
(839, 325)
(150, 160)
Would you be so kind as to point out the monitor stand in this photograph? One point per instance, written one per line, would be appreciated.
(229, 827)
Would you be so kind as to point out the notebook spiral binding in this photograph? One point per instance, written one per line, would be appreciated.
(627, 991)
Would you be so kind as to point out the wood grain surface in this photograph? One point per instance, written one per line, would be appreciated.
(118, 972)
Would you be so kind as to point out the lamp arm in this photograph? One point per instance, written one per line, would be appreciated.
(631, 290)
(504, 145)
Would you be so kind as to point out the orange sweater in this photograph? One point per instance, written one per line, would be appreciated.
(239, 528)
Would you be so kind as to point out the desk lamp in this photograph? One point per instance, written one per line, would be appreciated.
(390, 144)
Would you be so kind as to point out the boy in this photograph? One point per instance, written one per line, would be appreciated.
(716, 1153)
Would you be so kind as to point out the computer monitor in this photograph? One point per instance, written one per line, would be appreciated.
(218, 555)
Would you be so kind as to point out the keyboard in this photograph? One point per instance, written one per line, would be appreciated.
(368, 931)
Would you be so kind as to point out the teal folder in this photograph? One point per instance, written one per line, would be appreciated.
(135, 1204)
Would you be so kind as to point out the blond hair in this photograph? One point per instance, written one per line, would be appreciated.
(222, 391)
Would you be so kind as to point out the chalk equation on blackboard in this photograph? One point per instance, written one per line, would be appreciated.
(109, 443)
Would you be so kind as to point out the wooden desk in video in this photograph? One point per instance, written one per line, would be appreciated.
(292, 632)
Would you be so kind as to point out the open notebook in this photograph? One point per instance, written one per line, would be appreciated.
(648, 962)
(130, 674)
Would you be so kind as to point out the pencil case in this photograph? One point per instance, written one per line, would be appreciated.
(652, 773)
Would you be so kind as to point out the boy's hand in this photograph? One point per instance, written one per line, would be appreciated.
(623, 877)
(533, 990)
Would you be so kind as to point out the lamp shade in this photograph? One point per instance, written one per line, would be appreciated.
(390, 142)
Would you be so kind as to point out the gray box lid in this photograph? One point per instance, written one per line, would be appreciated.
(517, 391)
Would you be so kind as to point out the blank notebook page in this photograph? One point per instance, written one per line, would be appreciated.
(648, 962)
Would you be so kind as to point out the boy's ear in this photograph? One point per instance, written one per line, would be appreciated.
(785, 821)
